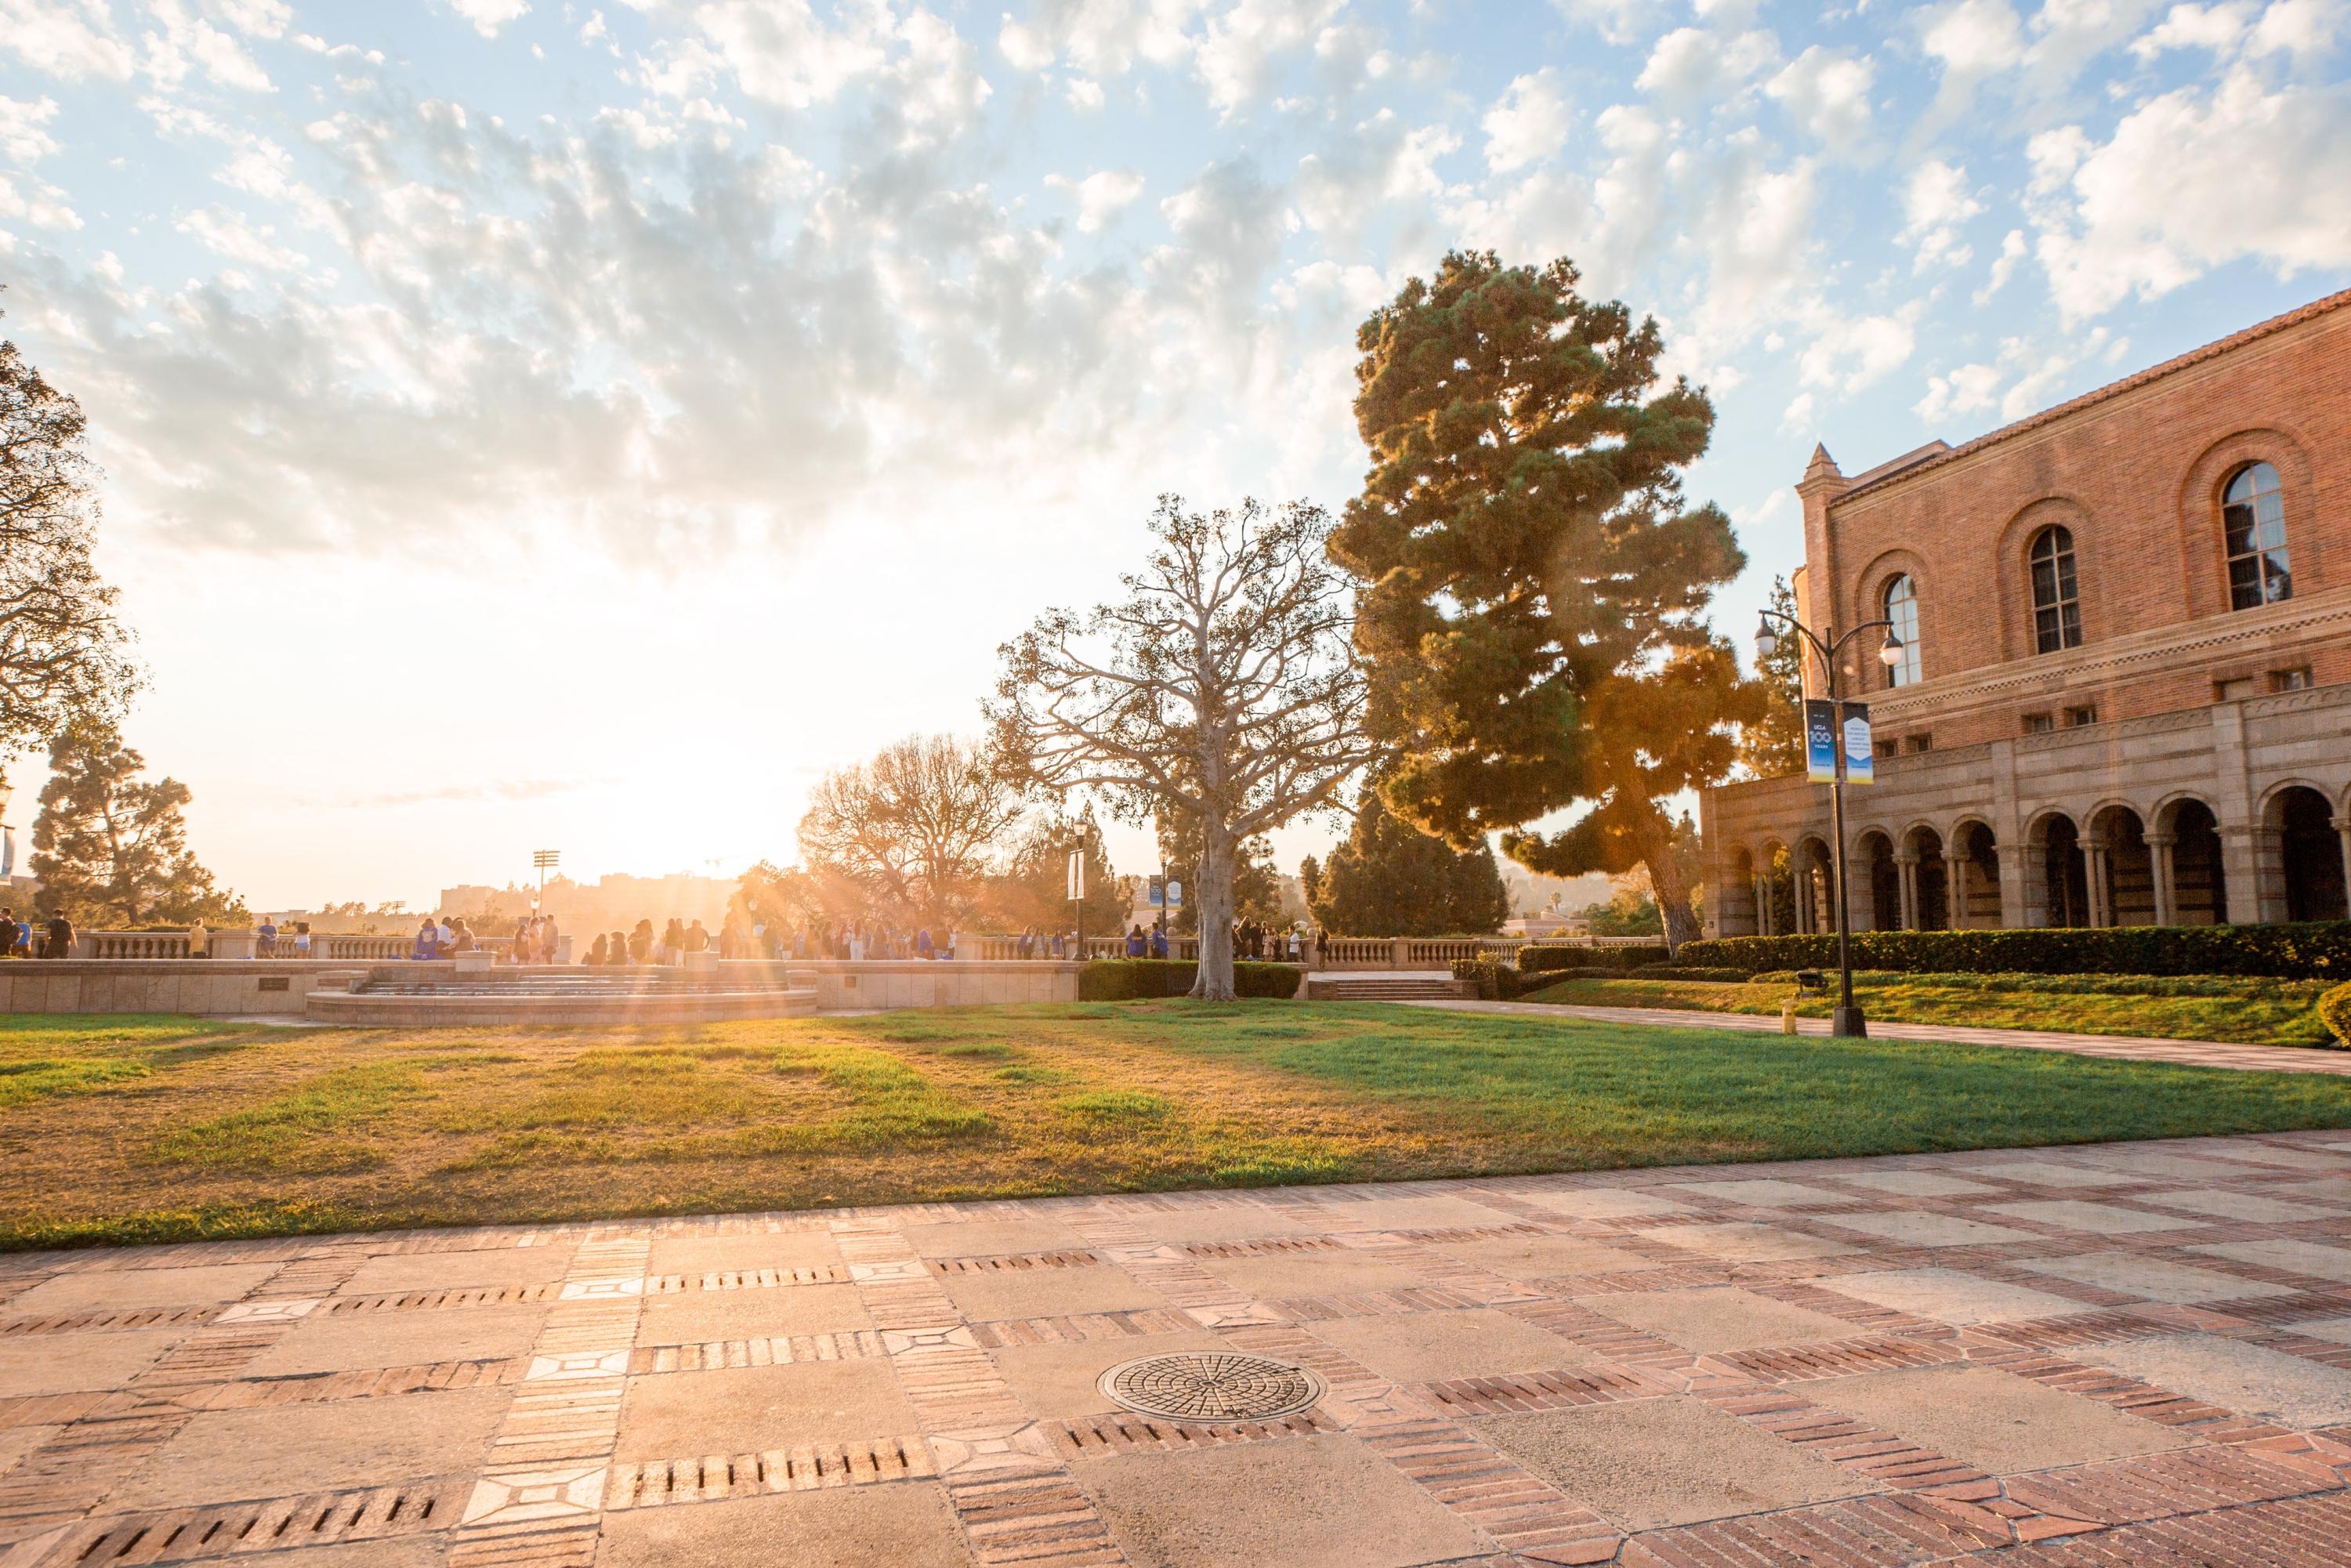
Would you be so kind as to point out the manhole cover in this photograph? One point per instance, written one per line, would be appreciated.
(1212, 1386)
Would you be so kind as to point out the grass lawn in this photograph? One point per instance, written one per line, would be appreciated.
(2187, 1007)
(159, 1128)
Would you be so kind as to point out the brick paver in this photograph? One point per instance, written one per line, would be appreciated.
(2128, 1047)
(2106, 1353)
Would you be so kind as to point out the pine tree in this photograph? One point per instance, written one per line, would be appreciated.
(112, 847)
(1533, 585)
(1772, 744)
(1390, 879)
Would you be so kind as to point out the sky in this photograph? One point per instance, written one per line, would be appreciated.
(529, 425)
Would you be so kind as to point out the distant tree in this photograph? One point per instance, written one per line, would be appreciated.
(62, 654)
(1033, 889)
(1533, 585)
(1772, 744)
(1390, 879)
(112, 847)
(1629, 911)
(1310, 881)
(1223, 689)
(915, 828)
(1256, 881)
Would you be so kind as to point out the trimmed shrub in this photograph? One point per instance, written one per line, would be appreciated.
(1496, 981)
(1136, 979)
(2313, 950)
(1550, 960)
(2335, 1012)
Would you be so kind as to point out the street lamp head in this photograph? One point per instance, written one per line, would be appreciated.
(1893, 652)
(1767, 641)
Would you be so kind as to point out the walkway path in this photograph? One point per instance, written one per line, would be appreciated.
(2120, 1354)
(2130, 1047)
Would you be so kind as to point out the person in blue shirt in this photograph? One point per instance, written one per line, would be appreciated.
(268, 935)
(1159, 941)
(922, 947)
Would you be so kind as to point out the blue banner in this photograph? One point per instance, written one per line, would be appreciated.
(1820, 740)
(1860, 759)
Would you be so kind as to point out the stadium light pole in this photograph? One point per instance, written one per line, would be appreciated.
(1848, 1021)
(544, 861)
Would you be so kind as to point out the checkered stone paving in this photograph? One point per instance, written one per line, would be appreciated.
(2097, 1354)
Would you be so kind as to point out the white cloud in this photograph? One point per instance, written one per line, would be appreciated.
(2303, 28)
(1968, 390)
(1827, 92)
(230, 233)
(1797, 417)
(1691, 64)
(1242, 48)
(1084, 95)
(1935, 202)
(2013, 249)
(188, 39)
(1850, 352)
(1971, 41)
(70, 38)
(2190, 181)
(1100, 37)
(1101, 195)
(488, 17)
(1617, 21)
(23, 139)
(1528, 124)
(777, 50)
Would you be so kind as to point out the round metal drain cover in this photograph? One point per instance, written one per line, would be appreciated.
(1212, 1385)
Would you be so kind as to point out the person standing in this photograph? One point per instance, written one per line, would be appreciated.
(61, 937)
(640, 943)
(302, 939)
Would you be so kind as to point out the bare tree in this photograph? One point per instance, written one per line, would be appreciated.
(61, 650)
(1224, 691)
(916, 827)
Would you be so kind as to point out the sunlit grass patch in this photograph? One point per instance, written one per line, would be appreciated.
(1111, 1113)
(312, 1129)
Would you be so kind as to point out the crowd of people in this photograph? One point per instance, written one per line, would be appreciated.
(20, 939)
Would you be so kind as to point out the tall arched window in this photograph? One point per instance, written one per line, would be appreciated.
(1902, 610)
(2253, 519)
(2057, 608)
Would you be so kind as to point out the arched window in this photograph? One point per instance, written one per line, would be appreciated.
(2252, 517)
(2057, 608)
(1902, 610)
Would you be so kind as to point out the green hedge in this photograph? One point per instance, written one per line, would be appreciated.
(2316, 950)
(2335, 1012)
(1545, 960)
(1133, 979)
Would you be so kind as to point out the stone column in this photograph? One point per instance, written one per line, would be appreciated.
(2255, 864)
(1906, 868)
(2342, 832)
(2093, 859)
(2158, 856)
(1762, 896)
(1961, 871)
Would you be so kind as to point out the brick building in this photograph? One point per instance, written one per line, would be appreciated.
(2126, 697)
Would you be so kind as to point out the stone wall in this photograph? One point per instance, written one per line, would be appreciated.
(842, 984)
(212, 988)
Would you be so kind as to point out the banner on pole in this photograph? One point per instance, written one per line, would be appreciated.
(1860, 759)
(1820, 740)
(1077, 875)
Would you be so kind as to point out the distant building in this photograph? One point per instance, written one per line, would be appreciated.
(2125, 698)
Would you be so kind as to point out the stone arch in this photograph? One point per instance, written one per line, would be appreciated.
(1736, 916)
(2190, 861)
(1973, 851)
(2204, 572)
(2014, 597)
(1815, 870)
(2299, 854)
(2121, 867)
(2057, 872)
(1923, 866)
(1876, 893)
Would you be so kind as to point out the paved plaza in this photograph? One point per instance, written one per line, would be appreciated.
(2109, 1354)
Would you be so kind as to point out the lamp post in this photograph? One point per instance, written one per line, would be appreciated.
(1085, 828)
(1848, 1021)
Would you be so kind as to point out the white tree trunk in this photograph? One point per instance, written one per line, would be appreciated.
(1213, 983)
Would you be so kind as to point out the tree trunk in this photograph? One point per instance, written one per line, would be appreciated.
(1214, 982)
(1666, 882)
